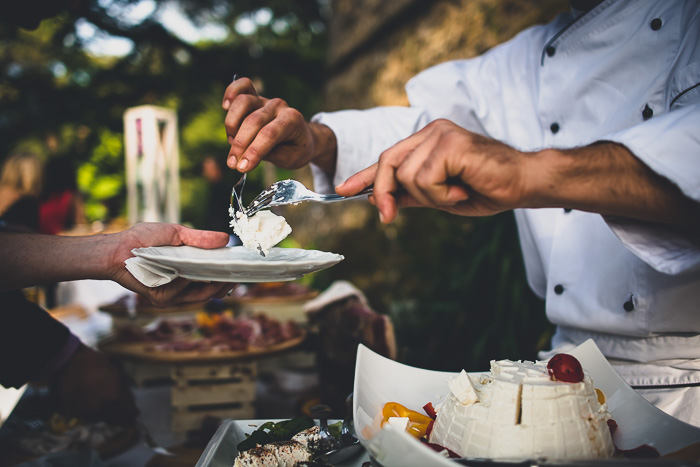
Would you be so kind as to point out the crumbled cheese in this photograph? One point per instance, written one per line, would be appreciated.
(277, 453)
(462, 388)
(310, 438)
(264, 229)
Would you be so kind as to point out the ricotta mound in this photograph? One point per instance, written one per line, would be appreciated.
(263, 229)
(276, 454)
(519, 412)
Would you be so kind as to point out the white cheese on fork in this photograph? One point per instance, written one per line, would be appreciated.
(264, 229)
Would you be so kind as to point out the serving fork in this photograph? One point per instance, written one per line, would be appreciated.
(287, 192)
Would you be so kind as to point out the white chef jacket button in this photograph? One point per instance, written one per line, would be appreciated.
(554, 127)
(656, 24)
(628, 305)
(647, 112)
(550, 50)
(558, 289)
(567, 210)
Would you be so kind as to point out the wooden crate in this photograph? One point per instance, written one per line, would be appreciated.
(225, 390)
(146, 373)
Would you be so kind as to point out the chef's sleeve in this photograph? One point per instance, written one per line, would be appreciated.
(670, 146)
(462, 91)
(362, 135)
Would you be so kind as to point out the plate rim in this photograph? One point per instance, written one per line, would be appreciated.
(143, 253)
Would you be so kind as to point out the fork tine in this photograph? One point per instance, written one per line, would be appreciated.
(235, 195)
(265, 195)
(260, 202)
(235, 199)
(252, 210)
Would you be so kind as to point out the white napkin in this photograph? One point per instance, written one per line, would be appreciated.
(338, 290)
(149, 273)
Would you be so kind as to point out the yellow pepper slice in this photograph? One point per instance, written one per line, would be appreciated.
(417, 422)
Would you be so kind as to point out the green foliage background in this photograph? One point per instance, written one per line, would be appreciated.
(454, 287)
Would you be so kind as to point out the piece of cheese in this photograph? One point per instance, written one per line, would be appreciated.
(400, 423)
(463, 389)
(264, 229)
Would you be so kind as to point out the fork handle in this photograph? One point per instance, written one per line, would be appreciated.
(367, 191)
(333, 197)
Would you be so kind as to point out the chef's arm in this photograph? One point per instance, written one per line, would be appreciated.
(448, 167)
(651, 173)
(32, 259)
(607, 178)
(325, 148)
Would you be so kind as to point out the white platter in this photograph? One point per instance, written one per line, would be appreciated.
(238, 263)
(379, 380)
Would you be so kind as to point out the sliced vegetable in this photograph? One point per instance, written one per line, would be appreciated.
(417, 422)
(430, 410)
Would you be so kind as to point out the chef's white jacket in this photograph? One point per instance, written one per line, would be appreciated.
(626, 71)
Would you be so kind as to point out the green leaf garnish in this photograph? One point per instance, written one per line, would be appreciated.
(280, 431)
(334, 429)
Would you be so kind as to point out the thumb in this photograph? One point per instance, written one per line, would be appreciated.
(202, 238)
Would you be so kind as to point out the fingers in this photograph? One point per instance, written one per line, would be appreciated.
(276, 125)
(236, 88)
(181, 291)
(243, 120)
(240, 100)
(424, 169)
(429, 173)
(256, 127)
(386, 185)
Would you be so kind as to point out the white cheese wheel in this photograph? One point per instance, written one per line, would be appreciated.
(521, 413)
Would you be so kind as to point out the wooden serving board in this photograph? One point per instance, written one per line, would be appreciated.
(144, 351)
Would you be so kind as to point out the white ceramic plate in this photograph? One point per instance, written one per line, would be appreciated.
(379, 380)
(238, 263)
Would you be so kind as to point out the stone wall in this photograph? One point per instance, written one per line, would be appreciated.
(376, 46)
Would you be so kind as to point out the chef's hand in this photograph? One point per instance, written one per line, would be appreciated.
(260, 128)
(446, 167)
(118, 247)
(90, 388)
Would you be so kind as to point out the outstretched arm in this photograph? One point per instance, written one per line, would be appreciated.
(30, 259)
(447, 167)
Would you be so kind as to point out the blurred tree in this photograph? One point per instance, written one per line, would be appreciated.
(57, 94)
(455, 287)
